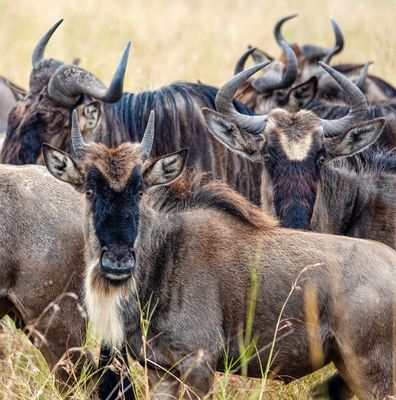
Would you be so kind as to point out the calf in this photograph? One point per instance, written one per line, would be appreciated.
(174, 283)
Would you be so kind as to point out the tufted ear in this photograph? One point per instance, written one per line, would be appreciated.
(228, 133)
(301, 95)
(355, 139)
(165, 169)
(89, 116)
(62, 166)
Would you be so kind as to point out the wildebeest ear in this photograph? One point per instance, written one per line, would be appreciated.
(355, 139)
(259, 56)
(88, 116)
(228, 133)
(301, 95)
(165, 169)
(62, 166)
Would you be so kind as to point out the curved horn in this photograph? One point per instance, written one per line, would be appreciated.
(38, 52)
(339, 44)
(360, 81)
(148, 137)
(314, 53)
(240, 65)
(69, 82)
(278, 26)
(355, 98)
(77, 138)
(327, 58)
(224, 101)
(268, 83)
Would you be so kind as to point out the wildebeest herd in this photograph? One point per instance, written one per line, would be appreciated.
(289, 179)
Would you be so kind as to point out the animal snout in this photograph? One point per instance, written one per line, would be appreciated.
(118, 262)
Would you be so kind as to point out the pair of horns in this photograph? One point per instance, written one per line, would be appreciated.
(313, 52)
(256, 124)
(68, 82)
(79, 146)
(273, 82)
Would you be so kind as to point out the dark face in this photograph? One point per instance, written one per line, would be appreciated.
(292, 153)
(293, 179)
(31, 122)
(38, 119)
(116, 221)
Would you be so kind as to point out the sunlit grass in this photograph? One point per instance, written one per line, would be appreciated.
(25, 375)
(187, 39)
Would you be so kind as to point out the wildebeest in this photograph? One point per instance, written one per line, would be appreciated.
(186, 264)
(41, 263)
(275, 88)
(310, 81)
(293, 148)
(375, 89)
(111, 117)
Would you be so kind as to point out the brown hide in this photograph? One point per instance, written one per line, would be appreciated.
(41, 262)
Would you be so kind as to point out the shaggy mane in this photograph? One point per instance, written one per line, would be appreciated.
(198, 190)
(369, 162)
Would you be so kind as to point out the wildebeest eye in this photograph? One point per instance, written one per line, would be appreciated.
(321, 159)
(89, 193)
(266, 157)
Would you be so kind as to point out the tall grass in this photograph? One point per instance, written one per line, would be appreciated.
(24, 374)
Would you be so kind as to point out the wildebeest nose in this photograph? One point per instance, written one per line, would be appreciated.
(117, 263)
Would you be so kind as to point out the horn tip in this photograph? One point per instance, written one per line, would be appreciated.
(74, 117)
(56, 25)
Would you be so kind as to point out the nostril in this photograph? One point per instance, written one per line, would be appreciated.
(117, 262)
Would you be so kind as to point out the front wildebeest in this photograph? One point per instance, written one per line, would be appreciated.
(111, 117)
(293, 150)
(41, 262)
(186, 263)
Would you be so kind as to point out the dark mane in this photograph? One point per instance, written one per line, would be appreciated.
(375, 161)
(198, 190)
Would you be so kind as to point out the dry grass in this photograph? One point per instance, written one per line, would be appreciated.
(174, 40)
(188, 39)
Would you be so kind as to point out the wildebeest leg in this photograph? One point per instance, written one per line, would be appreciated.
(197, 377)
(333, 388)
(368, 378)
(114, 382)
(163, 385)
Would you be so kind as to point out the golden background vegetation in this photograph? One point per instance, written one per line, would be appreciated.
(188, 39)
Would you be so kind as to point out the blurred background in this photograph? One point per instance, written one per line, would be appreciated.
(188, 39)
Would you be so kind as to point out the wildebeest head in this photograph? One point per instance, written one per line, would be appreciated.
(309, 54)
(114, 181)
(274, 88)
(55, 89)
(292, 146)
